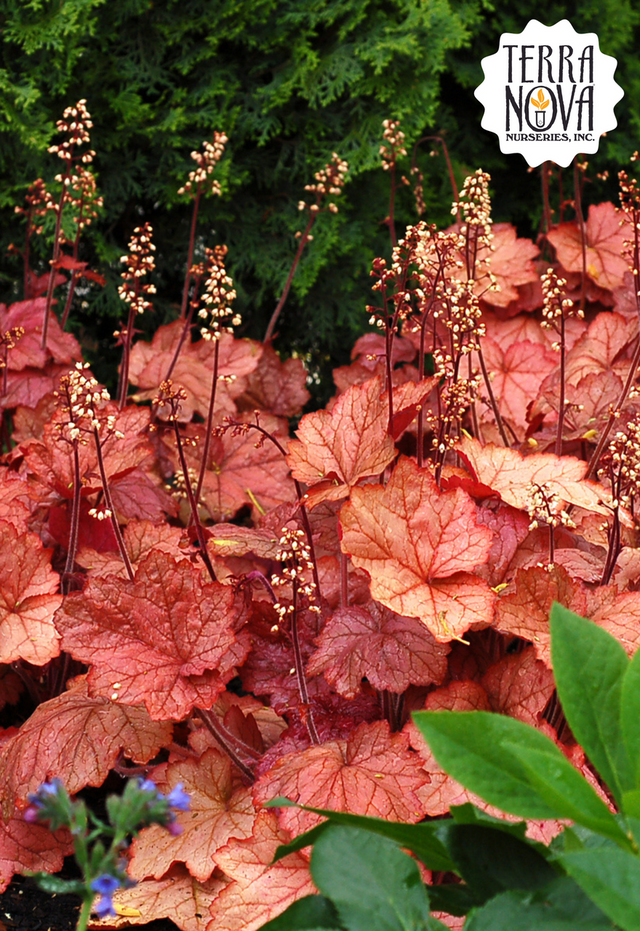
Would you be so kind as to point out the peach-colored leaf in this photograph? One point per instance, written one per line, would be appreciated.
(523, 608)
(28, 598)
(275, 386)
(339, 447)
(605, 238)
(221, 808)
(419, 546)
(371, 641)
(77, 738)
(259, 891)
(510, 475)
(140, 537)
(372, 772)
(519, 685)
(177, 896)
(511, 262)
(165, 639)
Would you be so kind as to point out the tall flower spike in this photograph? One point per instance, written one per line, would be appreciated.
(206, 162)
(218, 295)
(75, 124)
(394, 143)
(139, 263)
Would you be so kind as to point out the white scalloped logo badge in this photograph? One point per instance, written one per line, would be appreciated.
(549, 93)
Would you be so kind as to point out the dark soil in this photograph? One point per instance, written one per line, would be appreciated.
(24, 907)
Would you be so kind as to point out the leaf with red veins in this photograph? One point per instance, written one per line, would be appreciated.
(28, 386)
(335, 449)
(371, 348)
(194, 370)
(259, 891)
(29, 422)
(177, 896)
(28, 598)
(520, 686)
(234, 540)
(587, 407)
(140, 495)
(372, 772)
(167, 637)
(605, 245)
(25, 847)
(221, 808)
(14, 498)
(516, 374)
(140, 537)
(618, 613)
(276, 386)
(440, 790)
(419, 545)
(511, 263)
(602, 345)
(78, 738)
(523, 609)
(370, 641)
(28, 351)
(243, 469)
(510, 475)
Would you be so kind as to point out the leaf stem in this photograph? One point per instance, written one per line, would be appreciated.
(75, 519)
(202, 540)
(192, 239)
(223, 737)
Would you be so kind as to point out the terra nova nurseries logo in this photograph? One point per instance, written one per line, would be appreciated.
(549, 93)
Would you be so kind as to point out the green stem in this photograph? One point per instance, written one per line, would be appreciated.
(85, 914)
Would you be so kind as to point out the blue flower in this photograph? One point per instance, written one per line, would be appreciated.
(105, 885)
(147, 785)
(45, 793)
(179, 799)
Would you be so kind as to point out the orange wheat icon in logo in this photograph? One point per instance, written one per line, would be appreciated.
(540, 103)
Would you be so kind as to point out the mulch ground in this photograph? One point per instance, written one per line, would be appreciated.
(24, 907)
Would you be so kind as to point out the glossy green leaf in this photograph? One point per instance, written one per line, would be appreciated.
(477, 749)
(372, 883)
(421, 839)
(562, 786)
(589, 665)
(491, 861)
(630, 716)
(562, 906)
(307, 914)
(612, 881)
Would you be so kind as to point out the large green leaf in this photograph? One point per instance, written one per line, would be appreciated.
(491, 861)
(421, 839)
(630, 716)
(562, 906)
(589, 665)
(612, 881)
(563, 787)
(372, 883)
(480, 750)
(308, 914)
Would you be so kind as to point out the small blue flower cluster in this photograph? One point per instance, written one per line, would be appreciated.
(51, 803)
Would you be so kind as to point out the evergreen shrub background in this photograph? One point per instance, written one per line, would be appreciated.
(289, 82)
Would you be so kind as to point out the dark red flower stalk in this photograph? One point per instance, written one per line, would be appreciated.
(329, 181)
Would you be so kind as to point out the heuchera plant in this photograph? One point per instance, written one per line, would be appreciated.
(192, 595)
